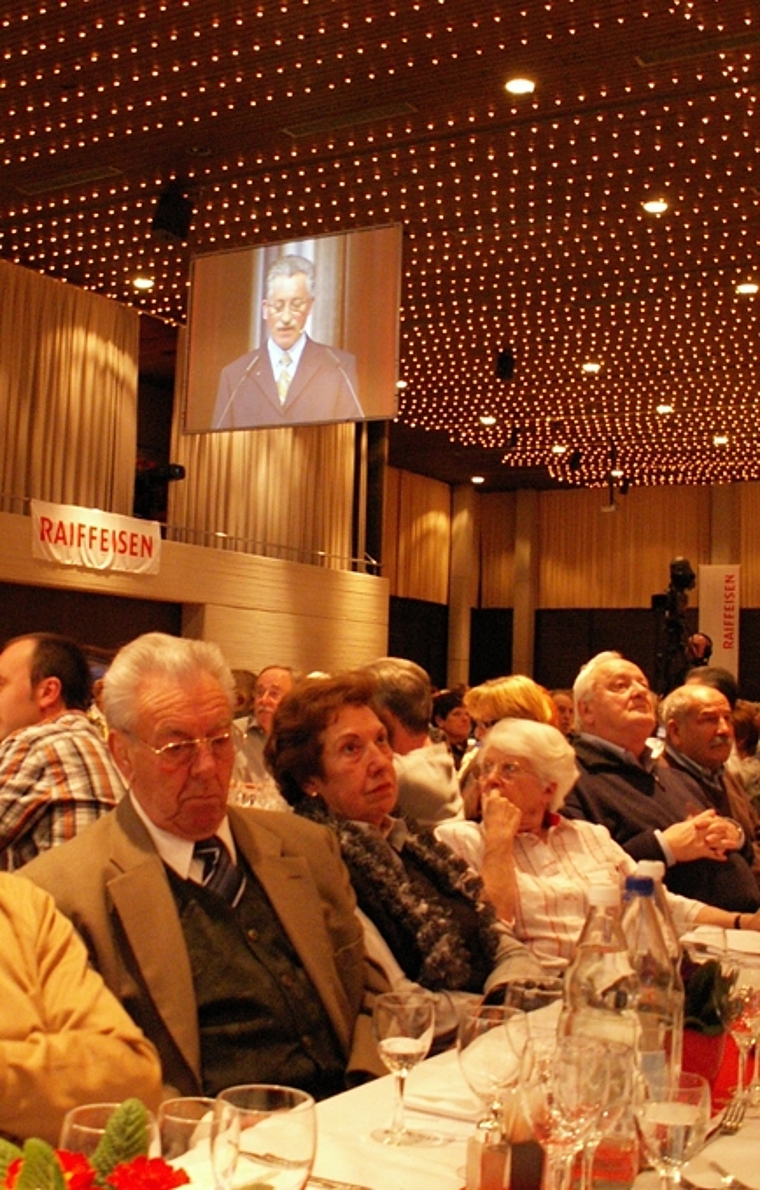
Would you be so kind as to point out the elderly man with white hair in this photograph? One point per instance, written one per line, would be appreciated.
(537, 866)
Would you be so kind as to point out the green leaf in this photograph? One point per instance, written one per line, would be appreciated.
(126, 1137)
(8, 1153)
(40, 1170)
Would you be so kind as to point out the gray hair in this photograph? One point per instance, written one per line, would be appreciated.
(584, 684)
(157, 653)
(290, 266)
(682, 701)
(403, 688)
(543, 747)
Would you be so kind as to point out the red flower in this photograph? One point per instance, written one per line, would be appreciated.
(78, 1174)
(146, 1173)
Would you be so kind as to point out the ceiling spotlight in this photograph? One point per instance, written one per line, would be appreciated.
(616, 473)
(655, 206)
(520, 86)
(487, 419)
(720, 439)
(591, 367)
(402, 383)
(748, 287)
(478, 479)
(558, 449)
(143, 282)
(664, 407)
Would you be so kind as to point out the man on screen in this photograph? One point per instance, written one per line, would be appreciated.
(291, 378)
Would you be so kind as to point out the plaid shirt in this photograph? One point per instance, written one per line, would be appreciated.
(56, 777)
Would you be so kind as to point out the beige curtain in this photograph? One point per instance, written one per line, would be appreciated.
(283, 493)
(496, 512)
(591, 558)
(749, 504)
(68, 395)
(417, 536)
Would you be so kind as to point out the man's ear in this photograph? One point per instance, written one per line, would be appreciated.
(47, 694)
(119, 749)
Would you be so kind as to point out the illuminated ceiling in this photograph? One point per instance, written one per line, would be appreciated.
(523, 218)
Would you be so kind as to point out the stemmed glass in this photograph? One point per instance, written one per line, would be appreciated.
(564, 1083)
(84, 1127)
(263, 1135)
(672, 1118)
(620, 1060)
(404, 1023)
(743, 1010)
(184, 1129)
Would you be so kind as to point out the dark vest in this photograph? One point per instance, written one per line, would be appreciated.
(259, 1016)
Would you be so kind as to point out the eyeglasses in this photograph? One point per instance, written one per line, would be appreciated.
(502, 770)
(297, 306)
(183, 753)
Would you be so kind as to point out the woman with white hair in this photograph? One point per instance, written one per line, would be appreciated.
(535, 865)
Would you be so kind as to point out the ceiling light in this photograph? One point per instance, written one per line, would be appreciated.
(141, 282)
(655, 206)
(478, 479)
(747, 287)
(616, 473)
(664, 407)
(558, 449)
(591, 367)
(520, 86)
(487, 419)
(720, 439)
(401, 383)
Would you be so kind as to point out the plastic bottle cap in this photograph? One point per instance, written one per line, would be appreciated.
(642, 885)
(651, 867)
(603, 894)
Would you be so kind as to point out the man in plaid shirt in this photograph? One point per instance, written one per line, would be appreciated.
(56, 774)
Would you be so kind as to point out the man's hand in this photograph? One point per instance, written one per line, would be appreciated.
(704, 836)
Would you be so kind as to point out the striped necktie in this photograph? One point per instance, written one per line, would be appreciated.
(220, 875)
(284, 379)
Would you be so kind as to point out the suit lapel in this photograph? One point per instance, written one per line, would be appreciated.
(143, 900)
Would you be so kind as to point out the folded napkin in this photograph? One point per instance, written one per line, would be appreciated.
(438, 1088)
(735, 944)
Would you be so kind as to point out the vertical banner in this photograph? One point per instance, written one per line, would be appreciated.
(719, 613)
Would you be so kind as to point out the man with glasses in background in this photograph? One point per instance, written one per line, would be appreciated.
(228, 933)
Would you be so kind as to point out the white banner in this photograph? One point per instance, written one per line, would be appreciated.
(75, 536)
(719, 608)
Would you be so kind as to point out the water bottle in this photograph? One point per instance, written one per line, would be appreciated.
(656, 1003)
(656, 869)
(600, 987)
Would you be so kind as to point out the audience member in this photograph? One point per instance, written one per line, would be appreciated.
(565, 708)
(270, 684)
(537, 866)
(229, 934)
(649, 810)
(428, 788)
(717, 677)
(514, 696)
(453, 721)
(699, 739)
(64, 1038)
(56, 775)
(245, 689)
(330, 754)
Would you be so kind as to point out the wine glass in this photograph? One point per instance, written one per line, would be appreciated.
(672, 1117)
(184, 1130)
(263, 1135)
(564, 1082)
(620, 1060)
(84, 1127)
(743, 1011)
(490, 1041)
(404, 1023)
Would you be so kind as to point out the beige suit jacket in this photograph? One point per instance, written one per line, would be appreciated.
(112, 884)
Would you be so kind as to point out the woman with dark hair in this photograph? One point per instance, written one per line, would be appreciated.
(330, 756)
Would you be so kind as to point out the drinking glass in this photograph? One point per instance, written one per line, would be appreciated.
(490, 1042)
(563, 1084)
(263, 1135)
(184, 1130)
(621, 1066)
(84, 1127)
(404, 1023)
(672, 1118)
(743, 1011)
